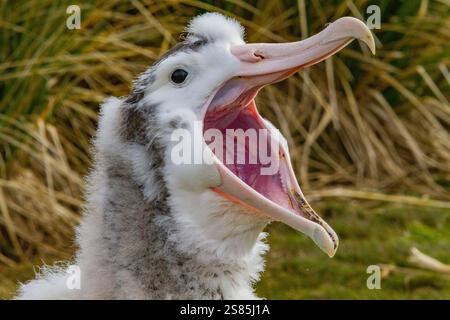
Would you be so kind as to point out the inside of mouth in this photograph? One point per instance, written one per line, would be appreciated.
(247, 151)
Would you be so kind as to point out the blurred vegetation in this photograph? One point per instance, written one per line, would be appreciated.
(370, 128)
(381, 235)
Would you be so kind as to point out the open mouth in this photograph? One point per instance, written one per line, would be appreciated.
(242, 154)
(252, 160)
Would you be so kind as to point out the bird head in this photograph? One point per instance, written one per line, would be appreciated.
(207, 84)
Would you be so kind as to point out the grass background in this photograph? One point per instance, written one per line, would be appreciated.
(369, 136)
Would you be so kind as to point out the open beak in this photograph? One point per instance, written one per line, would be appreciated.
(276, 194)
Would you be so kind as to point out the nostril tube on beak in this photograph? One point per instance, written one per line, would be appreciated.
(259, 55)
(292, 56)
(245, 55)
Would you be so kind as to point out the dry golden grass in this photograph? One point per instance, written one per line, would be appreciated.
(359, 126)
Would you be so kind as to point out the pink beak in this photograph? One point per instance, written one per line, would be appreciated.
(277, 197)
(268, 58)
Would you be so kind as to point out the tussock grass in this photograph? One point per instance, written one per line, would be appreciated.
(359, 126)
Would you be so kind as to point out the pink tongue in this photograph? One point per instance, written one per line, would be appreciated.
(269, 186)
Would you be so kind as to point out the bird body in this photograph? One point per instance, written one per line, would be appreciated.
(155, 229)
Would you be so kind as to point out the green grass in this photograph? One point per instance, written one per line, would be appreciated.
(297, 269)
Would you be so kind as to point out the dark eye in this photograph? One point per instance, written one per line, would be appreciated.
(179, 75)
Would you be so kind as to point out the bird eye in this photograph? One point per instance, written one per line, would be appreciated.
(178, 76)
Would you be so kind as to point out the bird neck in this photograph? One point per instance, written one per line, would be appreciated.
(150, 249)
(143, 238)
